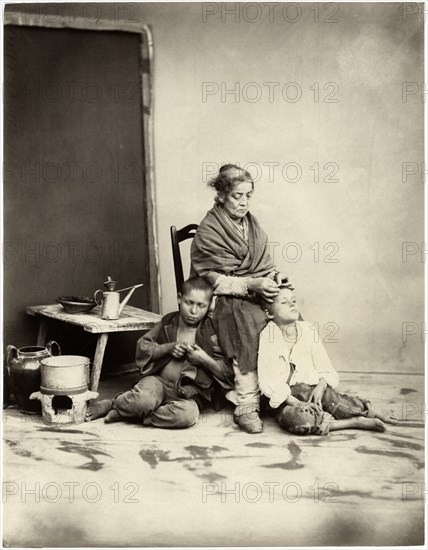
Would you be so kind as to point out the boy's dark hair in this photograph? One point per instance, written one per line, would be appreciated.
(267, 306)
(300, 420)
(196, 283)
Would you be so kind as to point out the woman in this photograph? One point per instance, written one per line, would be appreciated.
(230, 251)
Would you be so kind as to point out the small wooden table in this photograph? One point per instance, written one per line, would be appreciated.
(131, 318)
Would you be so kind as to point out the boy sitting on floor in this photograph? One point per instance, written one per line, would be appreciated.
(296, 374)
(179, 360)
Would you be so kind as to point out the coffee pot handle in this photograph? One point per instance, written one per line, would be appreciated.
(99, 301)
(49, 346)
(11, 353)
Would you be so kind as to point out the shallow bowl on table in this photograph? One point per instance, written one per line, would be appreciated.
(76, 304)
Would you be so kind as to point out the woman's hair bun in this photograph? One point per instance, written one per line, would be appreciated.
(228, 175)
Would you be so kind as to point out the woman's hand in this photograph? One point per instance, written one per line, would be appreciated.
(283, 279)
(317, 393)
(267, 288)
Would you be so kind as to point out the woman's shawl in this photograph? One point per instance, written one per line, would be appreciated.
(218, 249)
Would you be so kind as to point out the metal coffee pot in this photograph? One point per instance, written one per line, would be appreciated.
(23, 372)
(110, 299)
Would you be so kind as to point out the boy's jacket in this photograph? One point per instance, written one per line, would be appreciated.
(193, 380)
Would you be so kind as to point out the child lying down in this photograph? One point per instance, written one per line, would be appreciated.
(296, 374)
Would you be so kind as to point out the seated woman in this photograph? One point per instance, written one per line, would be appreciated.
(230, 251)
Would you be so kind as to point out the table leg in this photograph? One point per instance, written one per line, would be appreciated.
(41, 337)
(98, 361)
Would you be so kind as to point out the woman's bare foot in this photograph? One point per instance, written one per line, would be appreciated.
(375, 424)
(113, 416)
(98, 409)
(385, 417)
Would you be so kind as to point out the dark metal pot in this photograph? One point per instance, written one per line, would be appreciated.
(23, 369)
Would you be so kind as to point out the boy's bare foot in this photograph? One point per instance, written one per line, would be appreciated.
(97, 409)
(385, 417)
(375, 424)
(113, 416)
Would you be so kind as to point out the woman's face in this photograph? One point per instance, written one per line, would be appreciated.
(237, 202)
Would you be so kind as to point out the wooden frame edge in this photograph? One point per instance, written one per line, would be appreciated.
(146, 82)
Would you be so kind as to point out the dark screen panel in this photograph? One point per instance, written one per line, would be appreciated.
(74, 188)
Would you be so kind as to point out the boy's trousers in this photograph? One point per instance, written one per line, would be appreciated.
(339, 405)
(156, 403)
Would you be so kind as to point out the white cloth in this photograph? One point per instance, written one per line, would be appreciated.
(228, 285)
(308, 355)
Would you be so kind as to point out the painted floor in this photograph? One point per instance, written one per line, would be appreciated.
(213, 485)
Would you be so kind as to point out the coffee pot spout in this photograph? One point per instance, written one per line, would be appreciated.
(128, 296)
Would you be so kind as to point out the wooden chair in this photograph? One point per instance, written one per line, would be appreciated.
(178, 236)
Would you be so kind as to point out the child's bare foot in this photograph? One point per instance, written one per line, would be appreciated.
(385, 417)
(97, 409)
(363, 423)
(113, 416)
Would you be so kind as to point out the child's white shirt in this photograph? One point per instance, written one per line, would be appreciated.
(308, 355)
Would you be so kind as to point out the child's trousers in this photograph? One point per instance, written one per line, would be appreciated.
(339, 405)
(156, 403)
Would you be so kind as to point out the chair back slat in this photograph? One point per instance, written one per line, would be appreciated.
(178, 236)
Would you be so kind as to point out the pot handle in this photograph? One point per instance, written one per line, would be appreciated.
(57, 346)
(11, 353)
(98, 301)
(36, 395)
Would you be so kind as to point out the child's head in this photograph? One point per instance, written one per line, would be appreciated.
(194, 300)
(300, 419)
(283, 310)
